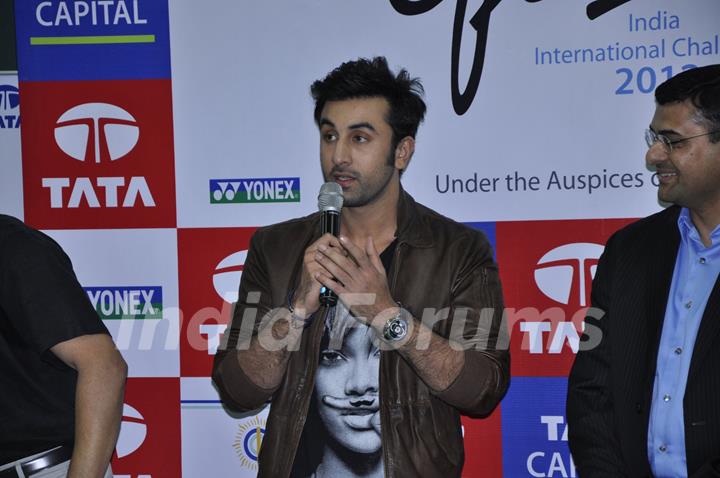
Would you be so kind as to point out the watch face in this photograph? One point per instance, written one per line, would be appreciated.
(396, 329)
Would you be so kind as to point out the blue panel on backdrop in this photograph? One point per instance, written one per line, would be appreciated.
(92, 40)
(535, 429)
(488, 228)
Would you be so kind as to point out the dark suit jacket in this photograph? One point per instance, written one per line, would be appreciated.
(610, 386)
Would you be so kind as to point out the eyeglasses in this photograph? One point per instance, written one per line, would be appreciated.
(651, 137)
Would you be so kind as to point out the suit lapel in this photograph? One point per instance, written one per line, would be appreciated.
(708, 331)
(660, 272)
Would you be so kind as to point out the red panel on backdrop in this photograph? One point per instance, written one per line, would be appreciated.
(98, 154)
(546, 269)
(149, 442)
(209, 268)
(483, 446)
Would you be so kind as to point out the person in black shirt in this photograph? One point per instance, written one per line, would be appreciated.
(62, 378)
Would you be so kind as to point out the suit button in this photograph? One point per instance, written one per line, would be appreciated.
(638, 408)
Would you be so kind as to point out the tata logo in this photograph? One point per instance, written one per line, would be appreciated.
(254, 190)
(97, 133)
(566, 269)
(9, 97)
(112, 303)
(9, 101)
(96, 130)
(248, 441)
(94, 12)
(226, 278)
(133, 431)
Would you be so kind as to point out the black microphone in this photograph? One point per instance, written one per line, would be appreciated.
(330, 201)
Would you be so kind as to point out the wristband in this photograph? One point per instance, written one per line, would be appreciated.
(297, 322)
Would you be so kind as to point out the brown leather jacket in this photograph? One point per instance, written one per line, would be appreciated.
(438, 264)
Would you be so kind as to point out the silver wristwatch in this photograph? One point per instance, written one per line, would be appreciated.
(396, 328)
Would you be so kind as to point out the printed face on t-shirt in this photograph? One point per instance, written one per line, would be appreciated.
(347, 388)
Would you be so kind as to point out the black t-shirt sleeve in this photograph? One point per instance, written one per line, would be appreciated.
(40, 293)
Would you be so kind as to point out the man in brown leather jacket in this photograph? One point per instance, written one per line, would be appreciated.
(375, 385)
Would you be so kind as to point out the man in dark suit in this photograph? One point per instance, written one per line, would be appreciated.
(646, 400)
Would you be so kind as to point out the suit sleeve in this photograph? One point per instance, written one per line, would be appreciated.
(594, 446)
(236, 390)
(477, 324)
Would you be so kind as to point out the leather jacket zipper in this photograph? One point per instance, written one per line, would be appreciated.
(384, 418)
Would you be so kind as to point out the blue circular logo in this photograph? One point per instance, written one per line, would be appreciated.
(252, 441)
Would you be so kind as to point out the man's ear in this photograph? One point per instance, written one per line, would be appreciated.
(403, 152)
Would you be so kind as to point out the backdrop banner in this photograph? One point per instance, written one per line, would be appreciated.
(157, 135)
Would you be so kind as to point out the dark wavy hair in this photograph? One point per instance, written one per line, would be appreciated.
(701, 86)
(372, 78)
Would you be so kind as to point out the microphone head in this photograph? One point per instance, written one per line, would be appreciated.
(330, 197)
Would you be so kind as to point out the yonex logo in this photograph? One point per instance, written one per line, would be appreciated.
(254, 190)
(567, 268)
(226, 278)
(133, 431)
(9, 97)
(127, 302)
(96, 132)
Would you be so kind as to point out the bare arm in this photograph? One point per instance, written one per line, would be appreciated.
(98, 403)
(434, 360)
(266, 366)
(265, 362)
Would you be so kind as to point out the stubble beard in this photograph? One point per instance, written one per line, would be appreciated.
(365, 196)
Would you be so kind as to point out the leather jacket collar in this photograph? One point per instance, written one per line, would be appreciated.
(411, 229)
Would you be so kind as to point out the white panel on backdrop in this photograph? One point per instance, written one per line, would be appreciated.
(555, 128)
(11, 188)
(214, 442)
(130, 276)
